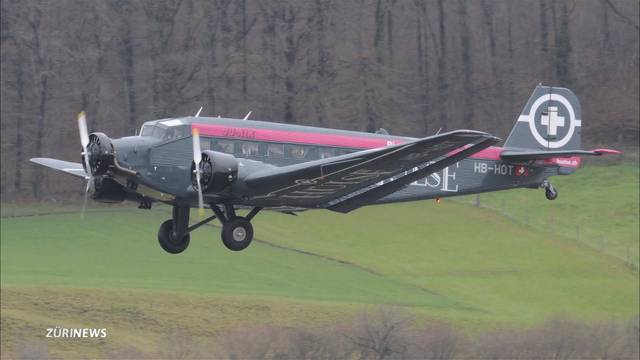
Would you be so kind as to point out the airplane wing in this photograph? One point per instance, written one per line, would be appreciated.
(68, 167)
(379, 190)
(320, 183)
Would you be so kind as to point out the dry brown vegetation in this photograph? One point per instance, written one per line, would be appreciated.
(410, 66)
(390, 333)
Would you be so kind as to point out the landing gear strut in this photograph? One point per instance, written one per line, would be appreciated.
(550, 192)
(237, 232)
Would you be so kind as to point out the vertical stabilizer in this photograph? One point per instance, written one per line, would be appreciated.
(550, 121)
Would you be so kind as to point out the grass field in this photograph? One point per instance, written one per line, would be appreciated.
(599, 205)
(472, 266)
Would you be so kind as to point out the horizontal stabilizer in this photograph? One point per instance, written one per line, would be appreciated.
(516, 155)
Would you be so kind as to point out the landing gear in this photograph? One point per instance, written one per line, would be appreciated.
(237, 231)
(168, 240)
(173, 234)
(550, 192)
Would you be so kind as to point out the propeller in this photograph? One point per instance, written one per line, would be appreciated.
(197, 158)
(84, 140)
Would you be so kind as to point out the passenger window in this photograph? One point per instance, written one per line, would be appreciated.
(343, 151)
(325, 153)
(247, 148)
(275, 151)
(296, 152)
(312, 153)
(225, 146)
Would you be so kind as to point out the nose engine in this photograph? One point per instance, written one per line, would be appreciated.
(217, 171)
(100, 154)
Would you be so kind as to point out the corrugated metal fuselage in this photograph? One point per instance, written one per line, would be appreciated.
(163, 158)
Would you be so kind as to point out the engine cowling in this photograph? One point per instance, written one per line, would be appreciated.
(101, 154)
(217, 171)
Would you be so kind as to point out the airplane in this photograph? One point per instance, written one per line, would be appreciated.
(231, 164)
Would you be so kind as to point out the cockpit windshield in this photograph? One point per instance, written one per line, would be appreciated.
(153, 131)
(165, 131)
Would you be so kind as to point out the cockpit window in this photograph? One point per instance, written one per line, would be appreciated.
(153, 131)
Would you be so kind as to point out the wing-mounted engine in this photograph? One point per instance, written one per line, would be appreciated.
(217, 172)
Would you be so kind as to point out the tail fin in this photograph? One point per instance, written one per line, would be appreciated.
(550, 121)
(548, 129)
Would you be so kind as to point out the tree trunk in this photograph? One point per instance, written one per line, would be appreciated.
(563, 48)
(19, 118)
(422, 61)
(467, 66)
(37, 180)
(443, 86)
(129, 78)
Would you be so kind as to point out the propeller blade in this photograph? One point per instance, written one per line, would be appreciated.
(200, 200)
(197, 158)
(84, 204)
(84, 140)
(197, 154)
(82, 127)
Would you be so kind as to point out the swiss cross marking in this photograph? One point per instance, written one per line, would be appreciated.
(552, 121)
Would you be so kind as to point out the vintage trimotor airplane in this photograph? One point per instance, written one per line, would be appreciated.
(229, 164)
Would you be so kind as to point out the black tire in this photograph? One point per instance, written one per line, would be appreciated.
(237, 233)
(168, 243)
(550, 193)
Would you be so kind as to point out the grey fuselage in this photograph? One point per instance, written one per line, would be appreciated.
(162, 156)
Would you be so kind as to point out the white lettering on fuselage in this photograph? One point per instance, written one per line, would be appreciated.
(496, 169)
(443, 180)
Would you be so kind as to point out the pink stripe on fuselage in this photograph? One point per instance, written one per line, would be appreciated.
(296, 137)
(355, 142)
(490, 153)
(300, 137)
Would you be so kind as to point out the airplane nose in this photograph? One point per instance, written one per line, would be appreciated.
(100, 154)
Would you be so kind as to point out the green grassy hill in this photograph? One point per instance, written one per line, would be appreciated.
(472, 266)
(598, 206)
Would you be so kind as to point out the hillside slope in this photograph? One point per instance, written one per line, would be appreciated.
(452, 261)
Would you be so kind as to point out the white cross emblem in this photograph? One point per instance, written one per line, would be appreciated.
(552, 121)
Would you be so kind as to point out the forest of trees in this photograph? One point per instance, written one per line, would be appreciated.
(410, 66)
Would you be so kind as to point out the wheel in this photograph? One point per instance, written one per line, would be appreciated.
(237, 233)
(550, 193)
(167, 241)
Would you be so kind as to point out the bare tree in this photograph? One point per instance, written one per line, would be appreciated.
(381, 334)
